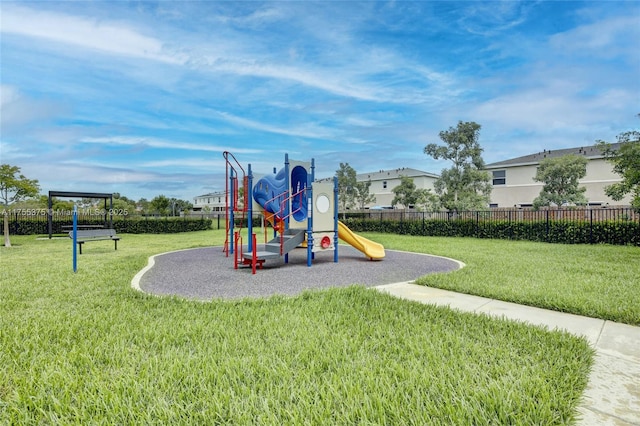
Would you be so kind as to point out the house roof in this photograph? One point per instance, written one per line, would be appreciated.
(211, 194)
(589, 152)
(394, 173)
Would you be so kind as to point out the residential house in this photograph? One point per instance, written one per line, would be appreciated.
(383, 182)
(212, 202)
(513, 184)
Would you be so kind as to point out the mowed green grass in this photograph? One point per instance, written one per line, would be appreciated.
(599, 281)
(85, 348)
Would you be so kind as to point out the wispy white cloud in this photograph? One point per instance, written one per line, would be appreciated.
(491, 18)
(362, 78)
(84, 32)
(562, 95)
(162, 144)
(606, 38)
(185, 163)
(307, 131)
(18, 109)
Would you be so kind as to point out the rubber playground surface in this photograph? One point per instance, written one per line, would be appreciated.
(207, 273)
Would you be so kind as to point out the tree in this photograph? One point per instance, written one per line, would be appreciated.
(14, 187)
(178, 206)
(408, 195)
(346, 186)
(626, 163)
(362, 196)
(123, 206)
(465, 186)
(560, 176)
(160, 205)
(144, 205)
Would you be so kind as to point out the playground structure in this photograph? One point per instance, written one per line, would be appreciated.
(301, 211)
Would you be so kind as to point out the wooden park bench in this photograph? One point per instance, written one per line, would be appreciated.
(86, 235)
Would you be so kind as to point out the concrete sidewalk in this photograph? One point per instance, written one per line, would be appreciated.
(612, 396)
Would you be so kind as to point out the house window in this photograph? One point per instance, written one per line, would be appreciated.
(493, 205)
(384, 184)
(499, 177)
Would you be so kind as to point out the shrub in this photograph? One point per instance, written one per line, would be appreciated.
(130, 225)
(564, 231)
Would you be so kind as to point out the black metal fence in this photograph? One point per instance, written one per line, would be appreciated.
(573, 226)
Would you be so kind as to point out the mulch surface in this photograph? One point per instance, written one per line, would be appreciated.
(207, 273)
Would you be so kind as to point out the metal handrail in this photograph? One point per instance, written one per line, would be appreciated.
(281, 226)
(276, 214)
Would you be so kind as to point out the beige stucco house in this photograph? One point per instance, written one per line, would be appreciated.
(513, 184)
(383, 181)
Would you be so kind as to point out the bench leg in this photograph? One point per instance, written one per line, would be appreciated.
(116, 242)
(80, 246)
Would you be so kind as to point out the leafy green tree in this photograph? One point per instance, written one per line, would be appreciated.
(362, 196)
(144, 205)
(626, 163)
(560, 177)
(61, 205)
(39, 202)
(14, 186)
(118, 196)
(346, 186)
(408, 195)
(123, 206)
(464, 186)
(428, 201)
(178, 206)
(160, 205)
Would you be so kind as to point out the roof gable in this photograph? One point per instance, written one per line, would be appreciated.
(590, 152)
(394, 173)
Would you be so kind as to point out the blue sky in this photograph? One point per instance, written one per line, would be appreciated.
(142, 98)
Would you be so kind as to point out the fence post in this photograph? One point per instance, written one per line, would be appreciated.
(547, 226)
(590, 226)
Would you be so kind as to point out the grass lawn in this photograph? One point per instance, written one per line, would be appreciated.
(85, 348)
(599, 281)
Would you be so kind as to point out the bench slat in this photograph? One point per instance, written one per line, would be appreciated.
(85, 235)
(95, 233)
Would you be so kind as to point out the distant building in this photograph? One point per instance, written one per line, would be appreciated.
(383, 181)
(513, 184)
(212, 202)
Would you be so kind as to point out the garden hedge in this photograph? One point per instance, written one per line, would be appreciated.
(565, 232)
(140, 225)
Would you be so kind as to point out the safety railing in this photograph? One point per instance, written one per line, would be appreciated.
(283, 205)
(232, 169)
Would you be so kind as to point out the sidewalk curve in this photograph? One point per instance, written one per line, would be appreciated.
(612, 396)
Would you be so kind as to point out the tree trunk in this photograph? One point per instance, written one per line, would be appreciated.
(7, 241)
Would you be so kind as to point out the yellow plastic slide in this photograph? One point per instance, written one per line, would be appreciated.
(370, 248)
